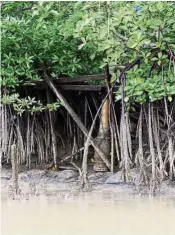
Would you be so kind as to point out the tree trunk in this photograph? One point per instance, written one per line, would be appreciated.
(103, 138)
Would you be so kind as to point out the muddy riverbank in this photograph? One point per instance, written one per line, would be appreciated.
(39, 182)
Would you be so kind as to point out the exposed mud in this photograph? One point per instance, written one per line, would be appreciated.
(39, 182)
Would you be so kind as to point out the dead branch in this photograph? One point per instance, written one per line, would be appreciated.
(71, 155)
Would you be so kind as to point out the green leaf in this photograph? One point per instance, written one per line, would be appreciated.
(159, 62)
(126, 99)
(54, 12)
(170, 98)
(81, 46)
(118, 97)
(154, 59)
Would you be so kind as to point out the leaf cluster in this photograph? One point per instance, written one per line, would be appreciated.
(76, 38)
(28, 104)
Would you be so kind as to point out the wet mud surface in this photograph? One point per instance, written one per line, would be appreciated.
(39, 182)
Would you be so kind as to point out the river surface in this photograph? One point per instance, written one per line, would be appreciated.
(89, 214)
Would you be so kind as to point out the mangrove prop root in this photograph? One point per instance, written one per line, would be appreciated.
(14, 169)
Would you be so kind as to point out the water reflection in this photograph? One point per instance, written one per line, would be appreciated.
(89, 213)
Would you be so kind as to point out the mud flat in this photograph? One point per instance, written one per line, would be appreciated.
(66, 182)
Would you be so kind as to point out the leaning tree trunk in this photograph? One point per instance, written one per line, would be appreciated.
(103, 138)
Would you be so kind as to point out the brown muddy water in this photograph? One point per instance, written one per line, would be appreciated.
(93, 213)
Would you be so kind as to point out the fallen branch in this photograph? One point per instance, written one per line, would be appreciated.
(68, 168)
(76, 167)
(71, 155)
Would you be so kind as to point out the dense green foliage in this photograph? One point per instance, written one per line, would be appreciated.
(34, 36)
(74, 38)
